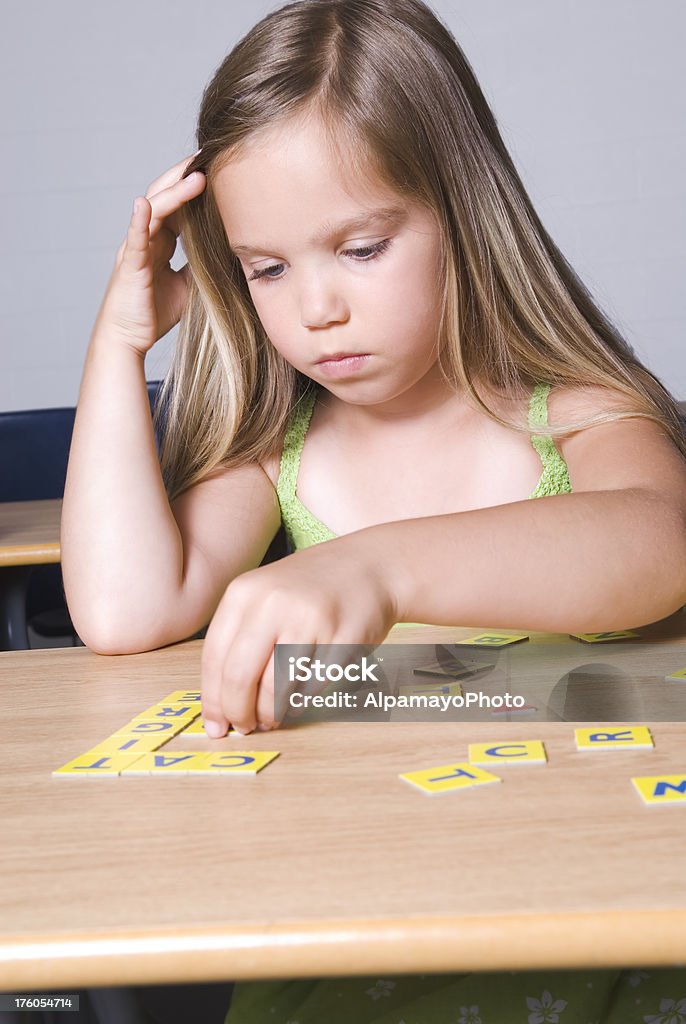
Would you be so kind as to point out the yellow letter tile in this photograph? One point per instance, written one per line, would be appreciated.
(679, 676)
(524, 752)
(106, 764)
(603, 738)
(492, 639)
(603, 638)
(448, 777)
(129, 744)
(182, 697)
(169, 712)
(661, 789)
(152, 727)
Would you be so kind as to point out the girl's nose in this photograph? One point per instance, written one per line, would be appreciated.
(321, 304)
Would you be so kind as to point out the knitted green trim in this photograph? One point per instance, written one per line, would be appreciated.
(555, 476)
(302, 528)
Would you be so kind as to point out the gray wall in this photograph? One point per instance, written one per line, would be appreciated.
(98, 99)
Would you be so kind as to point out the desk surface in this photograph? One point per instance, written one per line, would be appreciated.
(325, 863)
(30, 532)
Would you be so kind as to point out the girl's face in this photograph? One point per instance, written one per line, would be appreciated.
(334, 273)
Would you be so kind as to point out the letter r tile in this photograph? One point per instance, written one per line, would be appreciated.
(602, 737)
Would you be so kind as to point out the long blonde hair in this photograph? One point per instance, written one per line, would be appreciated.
(399, 104)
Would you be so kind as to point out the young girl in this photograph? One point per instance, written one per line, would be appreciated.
(382, 349)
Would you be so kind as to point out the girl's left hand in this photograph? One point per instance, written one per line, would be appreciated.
(337, 592)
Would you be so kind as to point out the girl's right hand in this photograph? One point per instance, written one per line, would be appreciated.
(145, 297)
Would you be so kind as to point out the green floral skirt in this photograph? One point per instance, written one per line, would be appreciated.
(652, 996)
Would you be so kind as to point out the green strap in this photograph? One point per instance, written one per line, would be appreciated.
(555, 476)
(293, 442)
(302, 528)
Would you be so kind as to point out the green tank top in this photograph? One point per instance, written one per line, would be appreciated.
(303, 529)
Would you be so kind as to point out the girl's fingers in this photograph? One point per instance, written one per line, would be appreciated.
(165, 196)
(244, 665)
(232, 663)
(166, 203)
(273, 702)
(265, 712)
(170, 176)
(214, 720)
(134, 252)
(143, 226)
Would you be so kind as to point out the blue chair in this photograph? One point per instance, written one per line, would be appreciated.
(34, 450)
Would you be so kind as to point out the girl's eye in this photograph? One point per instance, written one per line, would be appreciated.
(363, 255)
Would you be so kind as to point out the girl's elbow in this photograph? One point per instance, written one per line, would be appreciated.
(110, 641)
(110, 635)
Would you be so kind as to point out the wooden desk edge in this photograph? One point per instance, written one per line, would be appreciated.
(30, 554)
(344, 948)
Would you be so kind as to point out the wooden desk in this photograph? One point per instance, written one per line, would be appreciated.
(30, 532)
(325, 863)
(29, 535)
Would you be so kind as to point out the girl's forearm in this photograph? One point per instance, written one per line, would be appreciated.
(122, 555)
(585, 562)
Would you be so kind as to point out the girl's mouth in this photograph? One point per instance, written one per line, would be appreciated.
(342, 365)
